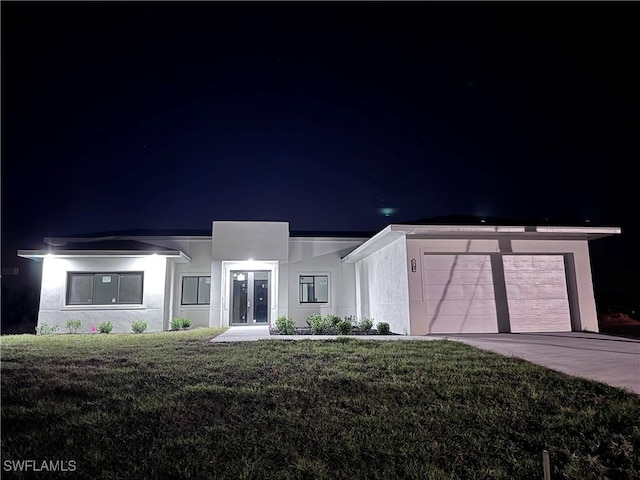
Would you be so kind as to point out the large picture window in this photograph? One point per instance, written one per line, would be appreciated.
(196, 290)
(314, 288)
(109, 288)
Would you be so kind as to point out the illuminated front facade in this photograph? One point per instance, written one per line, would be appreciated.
(420, 279)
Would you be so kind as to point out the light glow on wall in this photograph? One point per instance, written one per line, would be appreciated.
(150, 263)
(154, 267)
(54, 272)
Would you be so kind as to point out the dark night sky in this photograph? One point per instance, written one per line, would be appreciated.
(171, 115)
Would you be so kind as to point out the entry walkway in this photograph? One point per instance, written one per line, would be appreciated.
(243, 334)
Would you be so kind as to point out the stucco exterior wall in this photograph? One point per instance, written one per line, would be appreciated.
(383, 287)
(215, 307)
(282, 307)
(200, 253)
(250, 240)
(319, 256)
(53, 310)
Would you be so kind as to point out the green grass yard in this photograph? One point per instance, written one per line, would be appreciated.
(172, 405)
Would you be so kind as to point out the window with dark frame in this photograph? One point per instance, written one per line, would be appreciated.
(196, 290)
(108, 288)
(314, 288)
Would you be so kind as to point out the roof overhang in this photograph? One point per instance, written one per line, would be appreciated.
(60, 241)
(381, 239)
(393, 232)
(176, 255)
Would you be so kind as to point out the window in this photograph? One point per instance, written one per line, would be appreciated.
(104, 288)
(314, 288)
(196, 290)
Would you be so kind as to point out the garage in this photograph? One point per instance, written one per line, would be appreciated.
(459, 294)
(537, 293)
(464, 294)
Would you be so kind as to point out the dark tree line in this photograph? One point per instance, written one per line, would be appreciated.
(19, 309)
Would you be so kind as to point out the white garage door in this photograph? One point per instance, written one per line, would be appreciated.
(537, 293)
(459, 294)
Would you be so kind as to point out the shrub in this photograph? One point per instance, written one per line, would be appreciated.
(314, 318)
(105, 327)
(73, 326)
(333, 320)
(45, 329)
(383, 328)
(180, 323)
(344, 327)
(286, 325)
(317, 323)
(139, 326)
(365, 324)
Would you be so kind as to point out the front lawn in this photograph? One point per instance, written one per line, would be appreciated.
(173, 405)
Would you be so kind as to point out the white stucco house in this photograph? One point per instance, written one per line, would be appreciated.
(421, 279)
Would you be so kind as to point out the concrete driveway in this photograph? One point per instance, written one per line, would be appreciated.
(608, 359)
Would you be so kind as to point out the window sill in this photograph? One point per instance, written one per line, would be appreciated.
(103, 307)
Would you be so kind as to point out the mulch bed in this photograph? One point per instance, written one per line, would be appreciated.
(307, 331)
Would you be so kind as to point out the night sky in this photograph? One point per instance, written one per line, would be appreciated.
(171, 115)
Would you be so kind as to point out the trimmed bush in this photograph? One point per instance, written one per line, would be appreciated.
(344, 327)
(365, 324)
(139, 326)
(383, 328)
(105, 327)
(314, 318)
(73, 326)
(333, 320)
(45, 329)
(180, 323)
(317, 323)
(286, 325)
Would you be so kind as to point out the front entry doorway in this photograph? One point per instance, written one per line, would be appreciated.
(250, 297)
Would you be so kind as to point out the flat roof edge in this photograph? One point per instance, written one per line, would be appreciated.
(101, 253)
(412, 229)
(581, 230)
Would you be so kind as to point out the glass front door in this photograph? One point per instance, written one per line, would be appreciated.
(249, 297)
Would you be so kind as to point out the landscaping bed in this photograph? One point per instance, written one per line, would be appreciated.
(329, 331)
(329, 325)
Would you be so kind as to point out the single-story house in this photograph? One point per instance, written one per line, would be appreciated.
(421, 279)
